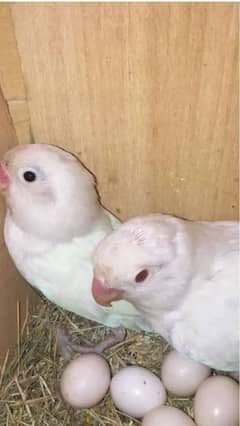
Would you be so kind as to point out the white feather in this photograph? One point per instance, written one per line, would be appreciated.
(52, 227)
(191, 293)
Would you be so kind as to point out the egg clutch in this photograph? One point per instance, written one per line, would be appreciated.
(139, 393)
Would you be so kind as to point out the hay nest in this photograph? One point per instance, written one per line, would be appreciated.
(29, 385)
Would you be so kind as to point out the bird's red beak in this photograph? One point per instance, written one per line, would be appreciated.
(103, 294)
(4, 176)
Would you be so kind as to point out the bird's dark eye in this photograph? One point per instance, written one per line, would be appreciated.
(29, 176)
(141, 276)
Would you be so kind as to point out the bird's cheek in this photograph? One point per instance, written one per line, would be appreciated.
(103, 294)
(5, 178)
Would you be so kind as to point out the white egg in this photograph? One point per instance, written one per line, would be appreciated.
(167, 416)
(216, 402)
(136, 390)
(85, 381)
(181, 376)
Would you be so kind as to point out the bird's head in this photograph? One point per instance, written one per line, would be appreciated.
(48, 192)
(141, 258)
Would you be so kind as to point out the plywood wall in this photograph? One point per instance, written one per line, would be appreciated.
(13, 291)
(11, 78)
(146, 94)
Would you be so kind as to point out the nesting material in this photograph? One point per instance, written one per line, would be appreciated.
(29, 387)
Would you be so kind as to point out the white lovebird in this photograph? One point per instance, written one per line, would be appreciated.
(182, 277)
(53, 223)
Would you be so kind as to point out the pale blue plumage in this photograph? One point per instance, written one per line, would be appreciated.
(53, 224)
(63, 273)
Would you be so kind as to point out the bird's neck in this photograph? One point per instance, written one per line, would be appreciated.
(59, 227)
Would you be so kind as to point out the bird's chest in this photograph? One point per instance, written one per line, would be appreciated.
(59, 271)
(161, 321)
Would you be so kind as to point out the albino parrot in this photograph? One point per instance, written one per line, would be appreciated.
(53, 223)
(182, 277)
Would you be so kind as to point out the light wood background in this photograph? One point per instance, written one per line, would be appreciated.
(146, 94)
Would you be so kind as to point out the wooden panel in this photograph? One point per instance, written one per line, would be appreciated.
(12, 287)
(146, 94)
(11, 78)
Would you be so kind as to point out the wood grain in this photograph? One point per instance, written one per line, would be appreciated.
(11, 78)
(13, 289)
(145, 93)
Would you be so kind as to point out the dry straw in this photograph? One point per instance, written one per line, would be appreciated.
(29, 385)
